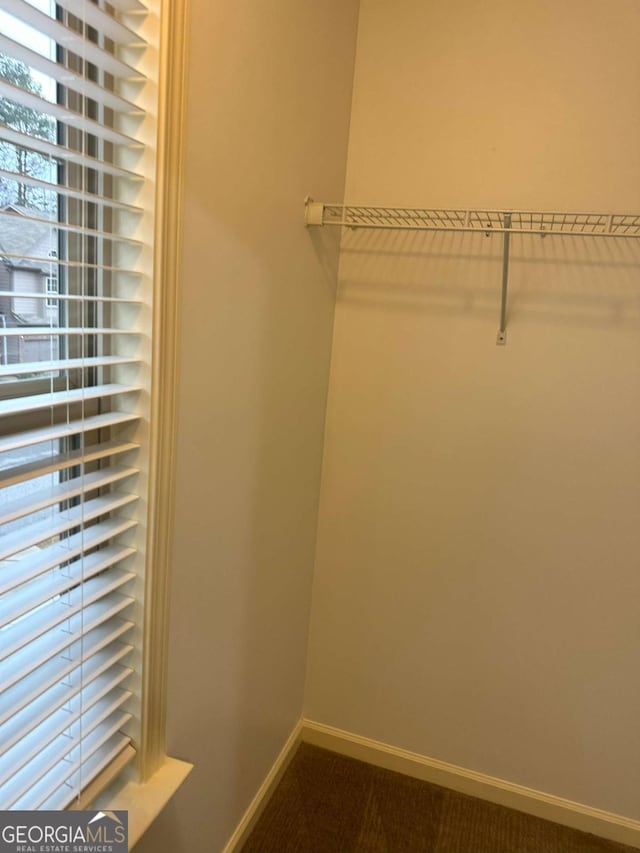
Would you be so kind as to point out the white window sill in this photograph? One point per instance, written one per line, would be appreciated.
(145, 801)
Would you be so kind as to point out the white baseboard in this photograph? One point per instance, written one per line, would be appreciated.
(265, 791)
(605, 824)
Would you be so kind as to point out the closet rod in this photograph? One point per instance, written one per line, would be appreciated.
(505, 222)
(542, 223)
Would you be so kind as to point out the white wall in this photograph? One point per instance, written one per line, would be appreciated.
(476, 588)
(269, 99)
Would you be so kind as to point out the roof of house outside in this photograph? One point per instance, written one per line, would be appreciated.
(19, 235)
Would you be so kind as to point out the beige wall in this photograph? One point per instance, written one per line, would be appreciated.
(268, 112)
(476, 588)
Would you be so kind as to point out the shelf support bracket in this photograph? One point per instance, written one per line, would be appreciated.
(313, 212)
(501, 340)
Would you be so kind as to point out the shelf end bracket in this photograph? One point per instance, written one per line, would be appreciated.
(313, 212)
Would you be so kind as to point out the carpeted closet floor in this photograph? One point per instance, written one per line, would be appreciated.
(327, 803)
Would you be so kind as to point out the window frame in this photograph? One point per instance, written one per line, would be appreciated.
(172, 81)
(152, 760)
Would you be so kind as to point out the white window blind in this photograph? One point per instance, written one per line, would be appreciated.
(74, 343)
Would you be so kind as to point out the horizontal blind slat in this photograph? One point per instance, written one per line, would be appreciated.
(102, 699)
(65, 156)
(61, 461)
(70, 39)
(63, 398)
(45, 588)
(46, 621)
(129, 5)
(121, 272)
(53, 642)
(61, 331)
(93, 656)
(110, 753)
(53, 556)
(62, 520)
(64, 491)
(107, 236)
(41, 776)
(66, 116)
(104, 668)
(63, 191)
(64, 364)
(106, 24)
(73, 297)
(78, 758)
(67, 429)
(66, 76)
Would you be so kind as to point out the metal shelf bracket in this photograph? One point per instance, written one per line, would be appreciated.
(501, 340)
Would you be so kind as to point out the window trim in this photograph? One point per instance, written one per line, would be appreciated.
(174, 34)
(159, 775)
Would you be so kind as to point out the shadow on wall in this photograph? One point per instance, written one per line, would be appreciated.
(570, 281)
(326, 245)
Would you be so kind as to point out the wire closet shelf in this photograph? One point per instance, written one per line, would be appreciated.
(586, 224)
(505, 222)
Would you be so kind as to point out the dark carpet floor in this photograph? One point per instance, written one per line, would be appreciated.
(326, 803)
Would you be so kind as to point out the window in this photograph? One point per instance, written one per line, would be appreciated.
(76, 212)
(51, 284)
